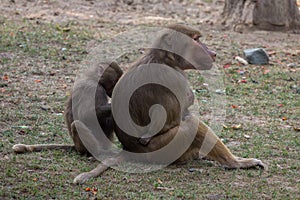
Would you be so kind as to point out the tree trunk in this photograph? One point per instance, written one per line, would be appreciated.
(273, 15)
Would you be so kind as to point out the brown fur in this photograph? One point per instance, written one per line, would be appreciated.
(86, 82)
(104, 90)
(153, 94)
(103, 111)
(150, 94)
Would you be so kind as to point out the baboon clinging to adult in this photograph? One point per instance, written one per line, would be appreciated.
(89, 98)
(95, 85)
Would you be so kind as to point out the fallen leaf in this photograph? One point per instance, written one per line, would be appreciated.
(5, 77)
(23, 127)
(64, 29)
(227, 65)
(164, 188)
(241, 60)
(64, 86)
(236, 127)
(94, 191)
(247, 136)
(266, 71)
(270, 53)
(195, 170)
(224, 126)
(234, 106)
(159, 181)
(297, 128)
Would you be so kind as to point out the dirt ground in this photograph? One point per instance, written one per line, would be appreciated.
(124, 12)
(130, 13)
(36, 81)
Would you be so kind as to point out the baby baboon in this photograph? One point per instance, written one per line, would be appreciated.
(104, 80)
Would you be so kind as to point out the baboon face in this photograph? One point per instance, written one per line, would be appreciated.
(182, 48)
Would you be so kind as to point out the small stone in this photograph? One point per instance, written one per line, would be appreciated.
(292, 65)
(247, 136)
(256, 56)
(44, 107)
(219, 91)
(195, 170)
(215, 197)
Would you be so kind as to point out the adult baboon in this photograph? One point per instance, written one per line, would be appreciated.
(172, 50)
(176, 49)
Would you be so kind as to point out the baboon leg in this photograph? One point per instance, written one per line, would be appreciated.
(213, 148)
(22, 148)
(90, 140)
(75, 137)
(83, 177)
(205, 145)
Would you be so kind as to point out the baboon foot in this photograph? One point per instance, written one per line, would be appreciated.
(82, 178)
(20, 148)
(246, 163)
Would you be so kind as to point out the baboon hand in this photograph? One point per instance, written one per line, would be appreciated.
(82, 178)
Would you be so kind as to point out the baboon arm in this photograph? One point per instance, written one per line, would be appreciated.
(83, 177)
(103, 111)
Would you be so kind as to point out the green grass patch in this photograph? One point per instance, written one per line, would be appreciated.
(40, 61)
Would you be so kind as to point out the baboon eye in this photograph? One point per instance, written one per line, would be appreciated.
(196, 38)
